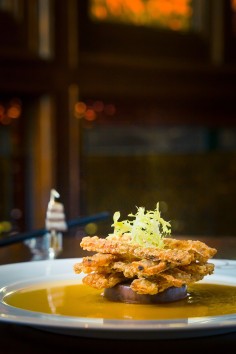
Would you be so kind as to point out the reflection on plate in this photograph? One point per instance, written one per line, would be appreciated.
(18, 278)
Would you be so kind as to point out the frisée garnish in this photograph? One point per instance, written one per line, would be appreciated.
(147, 228)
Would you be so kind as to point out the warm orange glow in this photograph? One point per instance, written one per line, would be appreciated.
(114, 6)
(167, 7)
(80, 109)
(9, 111)
(173, 14)
(13, 112)
(137, 6)
(90, 115)
(93, 109)
(233, 5)
(100, 12)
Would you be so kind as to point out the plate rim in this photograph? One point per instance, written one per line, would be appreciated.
(80, 324)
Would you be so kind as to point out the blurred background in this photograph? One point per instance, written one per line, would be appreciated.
(118, 104)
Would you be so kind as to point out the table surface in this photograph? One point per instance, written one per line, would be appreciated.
(24, 339)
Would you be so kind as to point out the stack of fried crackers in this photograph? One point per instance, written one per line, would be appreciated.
(149, 270)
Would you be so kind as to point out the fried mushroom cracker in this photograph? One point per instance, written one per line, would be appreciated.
(103, 280)
(175, 257)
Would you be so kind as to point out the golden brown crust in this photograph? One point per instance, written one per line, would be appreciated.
(200, 249)
(174, 256)
(102, 280)
(150, 269)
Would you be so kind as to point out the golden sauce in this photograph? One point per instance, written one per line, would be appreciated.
(73, 299)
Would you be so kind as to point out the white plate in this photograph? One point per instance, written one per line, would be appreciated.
(16, 276)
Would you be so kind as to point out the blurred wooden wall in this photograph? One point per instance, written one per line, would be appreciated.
(52, 55)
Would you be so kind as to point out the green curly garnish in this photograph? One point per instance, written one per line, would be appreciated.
(147, 229)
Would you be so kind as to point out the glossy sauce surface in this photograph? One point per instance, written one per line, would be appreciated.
(73, 299)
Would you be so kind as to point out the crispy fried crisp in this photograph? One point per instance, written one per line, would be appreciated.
(101, 280)
(174, 256)
(145, 286)
(142, 268)
(174, 277)
(200, 249)
(129, 269)
(150, 269)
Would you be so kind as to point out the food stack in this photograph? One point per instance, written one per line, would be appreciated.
(142, 253)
